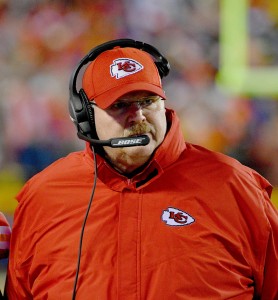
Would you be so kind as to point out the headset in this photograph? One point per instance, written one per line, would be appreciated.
(82, 112)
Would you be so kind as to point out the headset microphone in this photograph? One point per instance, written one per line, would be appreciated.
(138, 140)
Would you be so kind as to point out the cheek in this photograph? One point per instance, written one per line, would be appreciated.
(106, 126)
(160, 124)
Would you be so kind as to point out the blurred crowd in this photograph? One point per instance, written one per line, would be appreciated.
(42, 41)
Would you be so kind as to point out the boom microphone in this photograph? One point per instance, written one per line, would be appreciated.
(138, 140)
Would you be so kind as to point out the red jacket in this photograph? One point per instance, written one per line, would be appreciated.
(194, 224)
(5, 234)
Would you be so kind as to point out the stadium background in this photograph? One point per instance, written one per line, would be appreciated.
(42, 41)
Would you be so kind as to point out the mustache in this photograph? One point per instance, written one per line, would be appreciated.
(137, 129)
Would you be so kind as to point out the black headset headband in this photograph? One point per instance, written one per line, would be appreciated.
(80, 109)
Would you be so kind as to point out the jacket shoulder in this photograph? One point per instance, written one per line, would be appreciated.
(222, 168)
(63, 171)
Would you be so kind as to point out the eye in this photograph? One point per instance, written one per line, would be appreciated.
(118, 106)
(147, 102)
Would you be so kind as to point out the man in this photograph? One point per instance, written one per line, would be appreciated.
(140, 214)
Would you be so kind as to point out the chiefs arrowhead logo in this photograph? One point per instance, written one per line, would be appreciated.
(122, 67)
(176, 217)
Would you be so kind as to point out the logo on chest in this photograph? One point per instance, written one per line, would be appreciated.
(176, 217)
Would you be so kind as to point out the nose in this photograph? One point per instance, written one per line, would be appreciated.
(136, 113)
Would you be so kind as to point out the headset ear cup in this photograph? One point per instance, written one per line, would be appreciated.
(72, 113)
(88, 107)
(88, 121)
(82, 114)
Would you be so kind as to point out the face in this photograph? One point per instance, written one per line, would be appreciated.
(133, 114)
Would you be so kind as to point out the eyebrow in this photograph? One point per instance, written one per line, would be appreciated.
(155, 97)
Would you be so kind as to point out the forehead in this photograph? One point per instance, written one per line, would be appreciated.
(137, 95)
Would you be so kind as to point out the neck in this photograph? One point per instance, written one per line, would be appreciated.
(126, 165)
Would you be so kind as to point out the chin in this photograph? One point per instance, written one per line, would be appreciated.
(140, 150)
